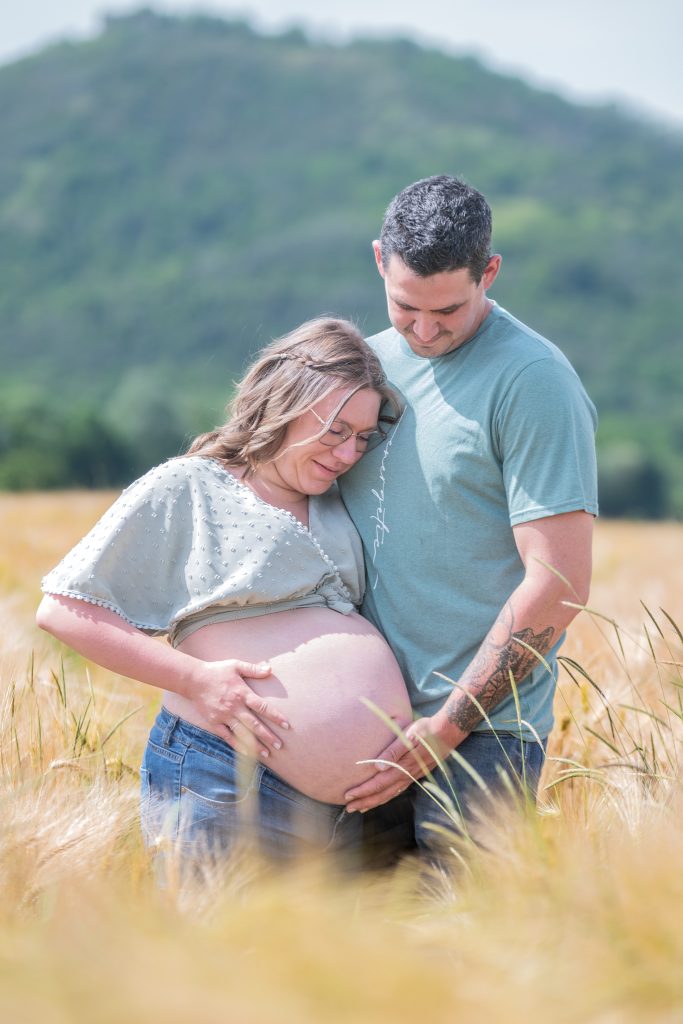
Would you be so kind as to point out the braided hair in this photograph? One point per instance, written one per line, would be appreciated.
(288, 376)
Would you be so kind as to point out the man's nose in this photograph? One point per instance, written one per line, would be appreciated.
(425, 328)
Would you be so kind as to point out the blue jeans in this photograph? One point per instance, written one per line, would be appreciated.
(415, 821)
(200, 797)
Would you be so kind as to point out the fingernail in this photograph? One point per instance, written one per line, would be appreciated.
(265, 753)
(285, 725)
(264, 666)
(383, 767)
(277, 745)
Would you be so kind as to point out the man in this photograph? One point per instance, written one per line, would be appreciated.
(476, 516)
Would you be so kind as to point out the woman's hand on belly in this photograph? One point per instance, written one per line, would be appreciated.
(232, 709)
(328, 670)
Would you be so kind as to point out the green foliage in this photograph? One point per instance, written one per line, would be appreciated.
(631, 482)
(47, 448)
(177, 191)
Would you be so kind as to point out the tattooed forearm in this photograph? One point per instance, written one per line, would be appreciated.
(488, 678)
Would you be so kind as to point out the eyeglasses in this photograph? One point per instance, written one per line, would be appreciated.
(338, 432)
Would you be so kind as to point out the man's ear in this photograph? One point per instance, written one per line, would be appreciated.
(376, 248)
(491, 272)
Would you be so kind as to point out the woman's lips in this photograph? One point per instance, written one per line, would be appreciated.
(326, 469)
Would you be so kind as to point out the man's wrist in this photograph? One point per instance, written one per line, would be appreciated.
(446, 732)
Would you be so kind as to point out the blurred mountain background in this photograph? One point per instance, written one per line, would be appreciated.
(178, 190)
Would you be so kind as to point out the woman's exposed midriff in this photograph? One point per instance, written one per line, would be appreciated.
(323, 665)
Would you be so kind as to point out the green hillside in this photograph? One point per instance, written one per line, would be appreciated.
(178, 190)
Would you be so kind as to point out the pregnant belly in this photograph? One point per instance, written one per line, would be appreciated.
(324, 666)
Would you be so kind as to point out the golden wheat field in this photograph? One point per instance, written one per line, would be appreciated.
(572, 912)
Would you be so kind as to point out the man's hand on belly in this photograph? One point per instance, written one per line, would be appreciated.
(412, 757)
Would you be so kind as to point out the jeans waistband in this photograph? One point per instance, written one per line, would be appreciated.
(171, 725)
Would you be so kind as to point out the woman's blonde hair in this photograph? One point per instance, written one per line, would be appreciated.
(288, 376)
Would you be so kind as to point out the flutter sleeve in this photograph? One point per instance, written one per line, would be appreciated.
(135, 559)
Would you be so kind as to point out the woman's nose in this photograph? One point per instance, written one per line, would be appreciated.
(346, 451)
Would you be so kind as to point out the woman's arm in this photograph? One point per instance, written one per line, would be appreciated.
(217, 688)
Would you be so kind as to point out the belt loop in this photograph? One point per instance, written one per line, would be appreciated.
(168, 731)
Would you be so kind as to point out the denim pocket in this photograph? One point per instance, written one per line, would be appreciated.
(217, 781)
(218, 800)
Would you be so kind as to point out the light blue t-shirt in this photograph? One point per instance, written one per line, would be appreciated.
(498, 432)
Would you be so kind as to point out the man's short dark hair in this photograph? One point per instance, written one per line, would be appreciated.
(438, 224)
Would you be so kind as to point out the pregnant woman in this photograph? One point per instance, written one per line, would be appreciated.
(243, 555)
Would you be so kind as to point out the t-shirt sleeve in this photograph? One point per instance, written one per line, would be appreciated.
(134, 560)
(546, 437)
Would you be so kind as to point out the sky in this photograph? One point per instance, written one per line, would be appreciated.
(625, 51)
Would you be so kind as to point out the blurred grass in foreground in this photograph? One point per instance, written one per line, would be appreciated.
(572, 911)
